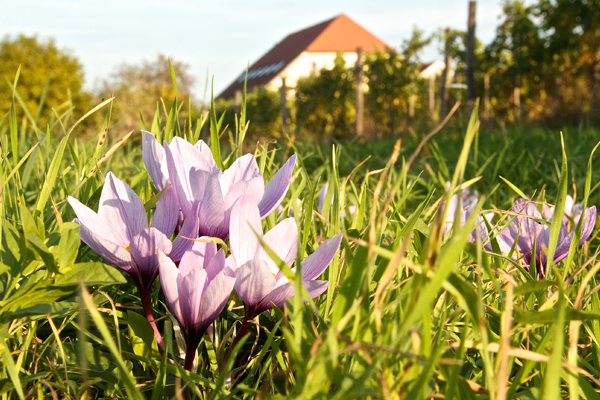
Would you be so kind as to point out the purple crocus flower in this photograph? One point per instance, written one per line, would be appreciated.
(197, 180)
(119, 233)
(468, 201)
(528, 229)
(259, 281)
(197, 291)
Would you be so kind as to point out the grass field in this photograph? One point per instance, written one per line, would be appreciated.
(409, 313)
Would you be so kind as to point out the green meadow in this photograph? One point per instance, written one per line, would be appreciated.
(409, 313)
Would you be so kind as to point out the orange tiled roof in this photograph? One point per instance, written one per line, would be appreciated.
(337, 34)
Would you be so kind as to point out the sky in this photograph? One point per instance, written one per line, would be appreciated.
(218, 38)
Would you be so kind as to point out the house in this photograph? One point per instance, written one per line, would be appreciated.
(306, 51)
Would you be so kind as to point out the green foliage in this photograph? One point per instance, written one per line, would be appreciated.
(136, 88)
(325, 102)
(408, 314)
(51, 78)
(264, 107)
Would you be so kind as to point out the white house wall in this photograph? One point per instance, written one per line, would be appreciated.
(306, 63)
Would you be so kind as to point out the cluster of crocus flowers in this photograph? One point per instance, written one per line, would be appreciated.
(528, 232)
(201, 205)
(527, 235)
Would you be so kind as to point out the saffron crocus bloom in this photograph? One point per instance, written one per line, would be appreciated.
(196, 179)
(259, 282)
(197, 291)
(119, 233)
(529, 231)
(468, 201)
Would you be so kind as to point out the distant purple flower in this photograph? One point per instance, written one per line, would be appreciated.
(528, 229)
(468, 201)
(323, 195)
(197, 291)
(259, 281)
(119, 232)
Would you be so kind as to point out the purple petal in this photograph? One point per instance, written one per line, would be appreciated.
(215, 264)
(253, 189)
(189, 230)
(179, 163)
(191, 290)
(170, 280)
(277, 188)
(121, 208)
(215, 298)
(212, 206)
(317, 262)
(589, 221)
(243, 241)
(243, 169)
(254, 280)
(208, 162)
(155, 160)
(144, 248)
(166, 215)
(283, 240)
(112, 252)
(198, 256)
(88, 218)
(280, 295)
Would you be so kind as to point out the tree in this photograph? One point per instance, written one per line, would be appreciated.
(325, 102)
(393, 77)
(138, 87)
(44, 69)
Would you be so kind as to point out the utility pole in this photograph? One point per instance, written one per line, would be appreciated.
(471, 56)
(360, 99)
(445, 85)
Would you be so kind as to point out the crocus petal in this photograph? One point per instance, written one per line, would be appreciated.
(244, 218)
(215, 298)
(189, 230)
(166, 215)
(197, 256)
(207, 158)
(254, 280)
(253, 189)
(191, 290)
(276, 188)
(144, 248)
(280, 295)
(212, 207)
(155, 160)
(215, 264)
(283, 240)
(589, 221)
(179, 163)
(94, 223)
(242, 169)
(121, 208)
(169, 280)
(112, 252)
(315, 264)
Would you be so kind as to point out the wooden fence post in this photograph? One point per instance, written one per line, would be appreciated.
(283, 100)
(360, 99)
(431, 96)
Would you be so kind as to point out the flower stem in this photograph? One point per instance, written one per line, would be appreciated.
(190, 354)
(236, 339)
(145, 295)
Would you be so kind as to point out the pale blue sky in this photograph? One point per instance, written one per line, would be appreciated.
(221, 37)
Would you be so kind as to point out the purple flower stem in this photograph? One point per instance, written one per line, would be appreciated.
(145, 295)
(236, 339)
(190, 354)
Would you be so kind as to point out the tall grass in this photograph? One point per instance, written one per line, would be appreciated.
(409, 314)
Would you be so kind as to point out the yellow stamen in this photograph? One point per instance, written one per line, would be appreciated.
(126, 247)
